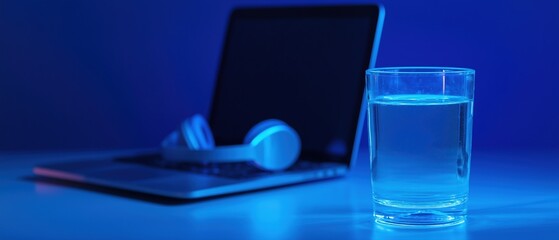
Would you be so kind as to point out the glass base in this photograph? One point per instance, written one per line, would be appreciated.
(434, 214)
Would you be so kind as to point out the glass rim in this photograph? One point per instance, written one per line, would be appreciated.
(421, 70)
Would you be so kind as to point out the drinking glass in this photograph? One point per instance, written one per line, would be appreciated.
(420, 139)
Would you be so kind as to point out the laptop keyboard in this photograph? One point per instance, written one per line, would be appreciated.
(237, 170)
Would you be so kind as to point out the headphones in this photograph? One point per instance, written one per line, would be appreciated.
(270, 145)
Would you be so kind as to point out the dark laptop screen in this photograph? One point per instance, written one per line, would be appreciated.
(303, 66)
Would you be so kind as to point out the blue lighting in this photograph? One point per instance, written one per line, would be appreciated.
(122, 74)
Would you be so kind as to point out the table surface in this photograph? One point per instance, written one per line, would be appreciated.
(513, 195)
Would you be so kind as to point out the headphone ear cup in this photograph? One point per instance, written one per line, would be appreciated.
(261, 127)
(196, 133)
(276, 145)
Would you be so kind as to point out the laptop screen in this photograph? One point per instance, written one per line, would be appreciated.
(304, 66)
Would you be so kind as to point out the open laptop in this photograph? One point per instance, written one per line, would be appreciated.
(303, 65)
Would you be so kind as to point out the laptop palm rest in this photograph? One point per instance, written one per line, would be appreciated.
(173, 183)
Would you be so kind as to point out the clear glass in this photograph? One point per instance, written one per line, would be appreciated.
(420, 137)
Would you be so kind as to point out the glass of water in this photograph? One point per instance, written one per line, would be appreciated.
(420, 137)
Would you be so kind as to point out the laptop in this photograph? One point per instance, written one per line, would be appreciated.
(303, 65)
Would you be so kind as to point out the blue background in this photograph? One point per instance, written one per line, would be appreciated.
(122, 74)
(111, 74)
